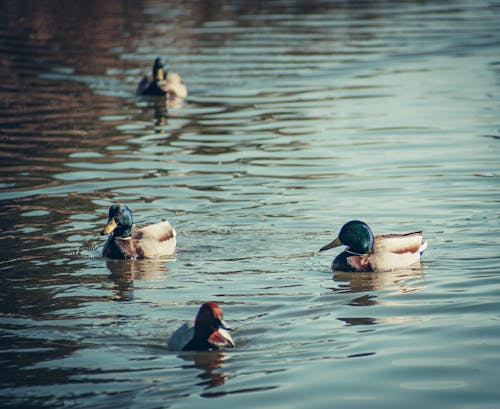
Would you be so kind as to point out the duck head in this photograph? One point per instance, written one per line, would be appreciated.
(159, 73)
(210, 326)
(120, 221)
(355, 234)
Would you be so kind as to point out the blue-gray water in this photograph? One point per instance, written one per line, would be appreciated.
(301, 116)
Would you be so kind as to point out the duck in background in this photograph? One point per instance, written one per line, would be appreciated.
(128, 241)
(369, 252)
(209, 333)
(161, 82)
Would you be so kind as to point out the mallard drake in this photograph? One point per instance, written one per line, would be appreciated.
(162, 82)
(128, 241)
(367, 252)
(209, 333)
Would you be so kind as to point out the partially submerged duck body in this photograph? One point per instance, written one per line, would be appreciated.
(129, 241)
(162, 83)
(209, 333)
(369, 252)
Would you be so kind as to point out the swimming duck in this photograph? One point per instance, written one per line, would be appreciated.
(162, 82)
(367, 252)
(128, 241)
(209, 333)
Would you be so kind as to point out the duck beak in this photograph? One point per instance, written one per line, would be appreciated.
(221, 336)
(160, 76)
(334, 243)
(110, 227)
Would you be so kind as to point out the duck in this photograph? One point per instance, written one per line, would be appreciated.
(162, 82)
(367, 252)
(209, 333)
(127, 241)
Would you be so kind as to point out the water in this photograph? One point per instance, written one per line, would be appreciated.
(301, 116)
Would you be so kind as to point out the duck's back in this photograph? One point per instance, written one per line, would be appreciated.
(392, 251)
(155, 240)
(143, 85)
(181, 337)
(398, 243)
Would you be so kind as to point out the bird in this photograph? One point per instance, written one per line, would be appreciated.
(127, 241)
(374, 253)
(162, 82)
(209, 333)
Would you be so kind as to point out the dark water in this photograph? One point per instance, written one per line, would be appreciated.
(301, 116)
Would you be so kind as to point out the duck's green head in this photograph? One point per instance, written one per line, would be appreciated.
(119, 221)
(159, 73)
(355, 234)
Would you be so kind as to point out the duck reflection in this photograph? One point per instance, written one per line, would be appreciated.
(402, 279)
(209, 363)
(359, 320)
(123, 273)
(160, 106)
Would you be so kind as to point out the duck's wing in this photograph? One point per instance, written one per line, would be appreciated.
(174, 86)
(393, 251)
(154, 240)
(181, 337)
(400, 243)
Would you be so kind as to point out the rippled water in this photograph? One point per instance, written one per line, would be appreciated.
(301, 116)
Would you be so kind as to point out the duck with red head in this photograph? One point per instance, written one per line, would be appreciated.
(210, 332)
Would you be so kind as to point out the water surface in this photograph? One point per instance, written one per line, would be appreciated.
(301, 116)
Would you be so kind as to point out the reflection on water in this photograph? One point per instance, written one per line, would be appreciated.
(403, 280)
(159, 108)
(210, 364)
(125, 272)
(301, 115)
